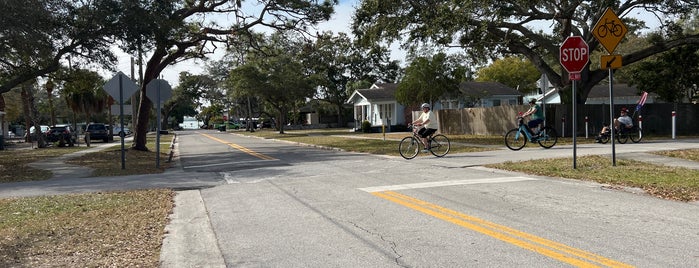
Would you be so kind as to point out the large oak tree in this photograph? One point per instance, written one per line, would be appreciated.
(173, 31)
(492, 29)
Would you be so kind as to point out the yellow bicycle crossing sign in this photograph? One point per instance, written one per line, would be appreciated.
(609, 30)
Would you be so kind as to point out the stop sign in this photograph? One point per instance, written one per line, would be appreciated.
(574, 54)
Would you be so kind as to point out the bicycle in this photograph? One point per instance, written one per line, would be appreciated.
(410, 146)
(609, 26)
(517, 138)
(635, 134)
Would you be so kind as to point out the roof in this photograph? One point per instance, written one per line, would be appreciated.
(377, 92)
(602, 91)
(473, 88)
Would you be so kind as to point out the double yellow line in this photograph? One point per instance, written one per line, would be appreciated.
(241, 148)
(558, 251)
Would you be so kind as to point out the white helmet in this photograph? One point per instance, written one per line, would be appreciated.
(425, 105)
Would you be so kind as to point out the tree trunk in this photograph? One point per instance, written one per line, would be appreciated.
(141, 126)
(28, 96)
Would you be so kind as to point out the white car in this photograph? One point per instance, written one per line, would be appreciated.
(117, 131)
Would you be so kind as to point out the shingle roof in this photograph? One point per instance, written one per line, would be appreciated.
(380, 92)
(602, 91)
(473, 88)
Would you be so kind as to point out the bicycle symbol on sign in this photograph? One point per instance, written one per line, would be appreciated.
(610, 26)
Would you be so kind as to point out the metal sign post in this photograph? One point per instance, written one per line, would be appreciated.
(119, 87)
(158, 91)
(575, 55)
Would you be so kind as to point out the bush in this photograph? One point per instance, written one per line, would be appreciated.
(366, 126)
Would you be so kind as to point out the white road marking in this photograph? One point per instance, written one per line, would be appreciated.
(443, 183)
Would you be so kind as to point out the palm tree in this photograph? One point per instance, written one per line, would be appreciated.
(84, 94)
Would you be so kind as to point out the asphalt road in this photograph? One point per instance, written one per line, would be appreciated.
(278, 204)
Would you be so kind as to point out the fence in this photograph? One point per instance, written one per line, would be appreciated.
(657, 118)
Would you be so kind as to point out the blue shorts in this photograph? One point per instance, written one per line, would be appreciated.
(534, 123)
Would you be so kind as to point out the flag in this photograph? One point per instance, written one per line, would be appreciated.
(641, 101)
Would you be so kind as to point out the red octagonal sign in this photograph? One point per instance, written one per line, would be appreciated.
(575, 54)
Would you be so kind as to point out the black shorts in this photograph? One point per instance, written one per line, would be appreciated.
(426, 132)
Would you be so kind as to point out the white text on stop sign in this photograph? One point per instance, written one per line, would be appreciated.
(574, 54)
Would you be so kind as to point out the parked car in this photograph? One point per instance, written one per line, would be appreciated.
(117, 131)
(63, 134)
(97, 131)
(31, 133)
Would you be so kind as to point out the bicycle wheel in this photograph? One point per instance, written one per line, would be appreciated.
(622, 137)
(604, 139)
(548, 137)
(409, 147)
(636, 136)
(515, 139)
(439, 145)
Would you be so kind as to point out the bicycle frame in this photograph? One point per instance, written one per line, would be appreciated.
(437, 144)
(517, 138)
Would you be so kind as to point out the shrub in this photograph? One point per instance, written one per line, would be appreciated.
(366, 126)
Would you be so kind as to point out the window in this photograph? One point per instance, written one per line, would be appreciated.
(386, 110)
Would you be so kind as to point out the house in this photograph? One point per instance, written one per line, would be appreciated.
(378, 104)
(482, 94)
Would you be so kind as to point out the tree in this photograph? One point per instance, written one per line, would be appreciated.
(339, 62)
(178, 30)
(82, 91)
(185, 97)
(486, 29)
(37, 35)
(428, 80)
(515, 72)
(673, 75)
(277, 76)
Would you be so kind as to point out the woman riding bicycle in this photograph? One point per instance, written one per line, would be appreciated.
(429, 123)
(537, 116)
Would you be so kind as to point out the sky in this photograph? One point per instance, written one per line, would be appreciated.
(339, 22)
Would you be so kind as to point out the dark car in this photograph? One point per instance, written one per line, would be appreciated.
(97, 131)
(63, 134)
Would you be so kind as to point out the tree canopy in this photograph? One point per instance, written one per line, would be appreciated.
(429, 79)
(515, 72)
(488, 30)
(179, 30)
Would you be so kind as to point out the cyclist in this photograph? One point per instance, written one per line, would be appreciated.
(429, 123)
(537, 116)
(623, 119)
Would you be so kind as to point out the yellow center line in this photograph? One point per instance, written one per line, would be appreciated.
(241, 148)
(558, 251)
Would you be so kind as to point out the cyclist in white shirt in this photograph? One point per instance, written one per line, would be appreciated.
(429, 123)
(623, 119)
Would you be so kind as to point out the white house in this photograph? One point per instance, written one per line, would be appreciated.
(377, 105)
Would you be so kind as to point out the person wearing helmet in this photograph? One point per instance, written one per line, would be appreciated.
(537, 116)
(623, 119)
(429, 123)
